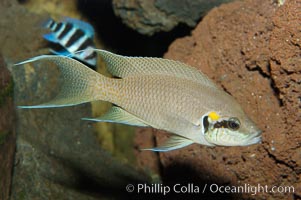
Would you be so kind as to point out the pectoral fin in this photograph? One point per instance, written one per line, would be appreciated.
(118, 115)
(173, 143)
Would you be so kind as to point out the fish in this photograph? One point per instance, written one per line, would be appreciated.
(155, 92)
(75, 36)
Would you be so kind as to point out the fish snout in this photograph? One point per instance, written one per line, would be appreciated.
(255, 137)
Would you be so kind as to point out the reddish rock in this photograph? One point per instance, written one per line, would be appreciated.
(251, 49)
(146, 159)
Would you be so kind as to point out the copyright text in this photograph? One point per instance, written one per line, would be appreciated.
(207, 188)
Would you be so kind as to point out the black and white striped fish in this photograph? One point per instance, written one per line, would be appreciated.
(76, 38)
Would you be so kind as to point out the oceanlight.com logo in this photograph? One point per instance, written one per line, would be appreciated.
(207, 188)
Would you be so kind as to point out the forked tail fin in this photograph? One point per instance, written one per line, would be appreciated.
(79, 83)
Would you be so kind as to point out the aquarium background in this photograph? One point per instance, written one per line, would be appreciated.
(250, 48)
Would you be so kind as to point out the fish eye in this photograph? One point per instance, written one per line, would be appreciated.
(205, 124)
(233, 123)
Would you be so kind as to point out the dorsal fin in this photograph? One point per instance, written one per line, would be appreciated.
(85, 26)
(124, 66)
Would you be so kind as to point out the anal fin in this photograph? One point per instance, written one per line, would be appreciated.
(173, 143)
(118, 115)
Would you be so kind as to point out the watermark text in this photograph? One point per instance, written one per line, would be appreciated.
(192, 188)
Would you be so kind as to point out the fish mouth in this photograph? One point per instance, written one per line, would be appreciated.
(254, 139)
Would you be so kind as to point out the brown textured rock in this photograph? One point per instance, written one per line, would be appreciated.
(57, 154)
(7, 130)
(251, 49)
(151, 16)
(146, 159)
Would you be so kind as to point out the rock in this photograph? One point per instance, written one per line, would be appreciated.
(147, 160)
(252, 50)
(57, 154)
(7, 130)
(151, 16)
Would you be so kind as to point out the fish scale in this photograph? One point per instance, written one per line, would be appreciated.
(186, 96)
(164, 101)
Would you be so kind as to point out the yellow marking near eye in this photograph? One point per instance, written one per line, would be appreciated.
(213, 116)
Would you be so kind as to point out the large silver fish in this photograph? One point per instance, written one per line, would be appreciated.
(156, 92)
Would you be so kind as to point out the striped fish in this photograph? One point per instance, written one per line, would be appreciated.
(76, 38)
